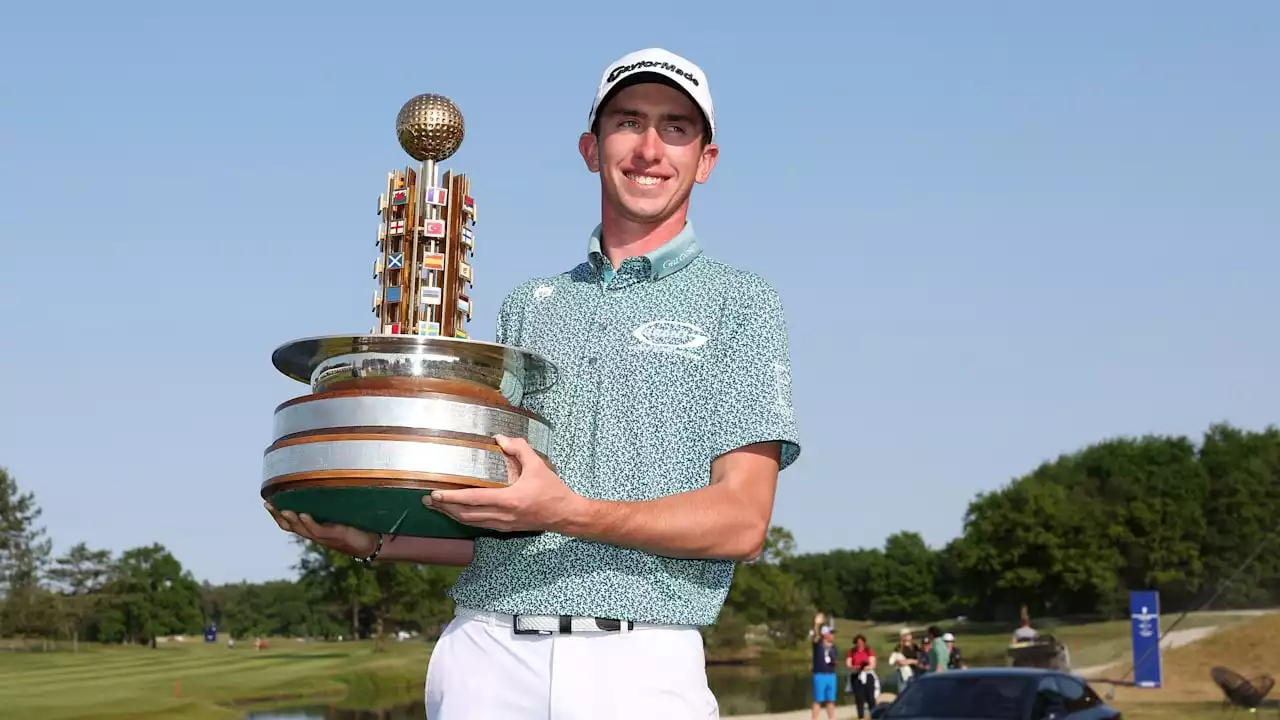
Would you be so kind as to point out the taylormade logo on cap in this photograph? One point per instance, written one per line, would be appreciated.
(686, 75)
(667, 67)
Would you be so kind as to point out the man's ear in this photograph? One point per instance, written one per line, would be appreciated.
(707, 162)
(589, 148)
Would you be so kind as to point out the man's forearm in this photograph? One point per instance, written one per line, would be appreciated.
(712, 523)
(427, 551)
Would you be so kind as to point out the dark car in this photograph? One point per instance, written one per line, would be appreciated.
(998, 694)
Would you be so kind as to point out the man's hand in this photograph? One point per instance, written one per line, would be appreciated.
(727, 519)
(348, 540)
(536, 498)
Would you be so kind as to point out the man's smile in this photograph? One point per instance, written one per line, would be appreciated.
(644, 179)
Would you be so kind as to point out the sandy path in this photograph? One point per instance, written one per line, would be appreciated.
(1175, 639)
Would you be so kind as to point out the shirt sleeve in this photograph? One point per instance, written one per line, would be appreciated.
(508, 323)
(753, 371)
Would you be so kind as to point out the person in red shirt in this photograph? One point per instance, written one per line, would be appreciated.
(863, 680)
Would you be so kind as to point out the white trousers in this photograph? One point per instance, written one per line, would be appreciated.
(481, 670)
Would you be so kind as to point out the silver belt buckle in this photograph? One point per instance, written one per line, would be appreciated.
(515, 627)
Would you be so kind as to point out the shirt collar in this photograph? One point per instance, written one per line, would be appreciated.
(666, 260)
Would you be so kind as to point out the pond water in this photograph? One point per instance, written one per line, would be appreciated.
(739, 690)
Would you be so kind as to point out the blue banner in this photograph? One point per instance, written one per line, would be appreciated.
(1144, 615)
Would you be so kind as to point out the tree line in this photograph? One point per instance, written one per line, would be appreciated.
(144, 593)
(1196, 521)
(1068, 539)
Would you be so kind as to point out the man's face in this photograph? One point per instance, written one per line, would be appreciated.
(906, 640)
(649, 152)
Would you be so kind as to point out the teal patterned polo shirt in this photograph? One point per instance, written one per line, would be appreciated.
(666, 362)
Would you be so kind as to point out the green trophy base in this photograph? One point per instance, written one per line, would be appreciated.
(391, 511)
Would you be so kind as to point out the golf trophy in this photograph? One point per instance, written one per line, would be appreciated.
(414, 405)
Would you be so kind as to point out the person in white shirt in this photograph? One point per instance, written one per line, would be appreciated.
(1025, 633)
(904, 658)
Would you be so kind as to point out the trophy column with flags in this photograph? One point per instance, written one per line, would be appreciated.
(414, 405)
(426, 230)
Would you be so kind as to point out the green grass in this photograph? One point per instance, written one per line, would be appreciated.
(197, 680)
(1176, 711)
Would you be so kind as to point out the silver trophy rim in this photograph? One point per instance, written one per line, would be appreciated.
(298, 359)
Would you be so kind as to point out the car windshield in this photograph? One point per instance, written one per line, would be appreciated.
(959, 696)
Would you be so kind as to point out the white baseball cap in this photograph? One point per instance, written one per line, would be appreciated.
(663, 66)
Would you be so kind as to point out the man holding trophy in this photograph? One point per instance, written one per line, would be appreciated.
(672, 419)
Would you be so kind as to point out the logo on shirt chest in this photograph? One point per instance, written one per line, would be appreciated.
(670, 336)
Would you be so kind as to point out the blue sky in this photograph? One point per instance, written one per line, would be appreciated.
(1001, 232)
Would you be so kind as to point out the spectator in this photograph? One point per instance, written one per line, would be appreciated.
(1025, 633)
(863, 680)
(824, 668)
(904, 659)
(924, 663)
(954, 660)
(937, 650)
